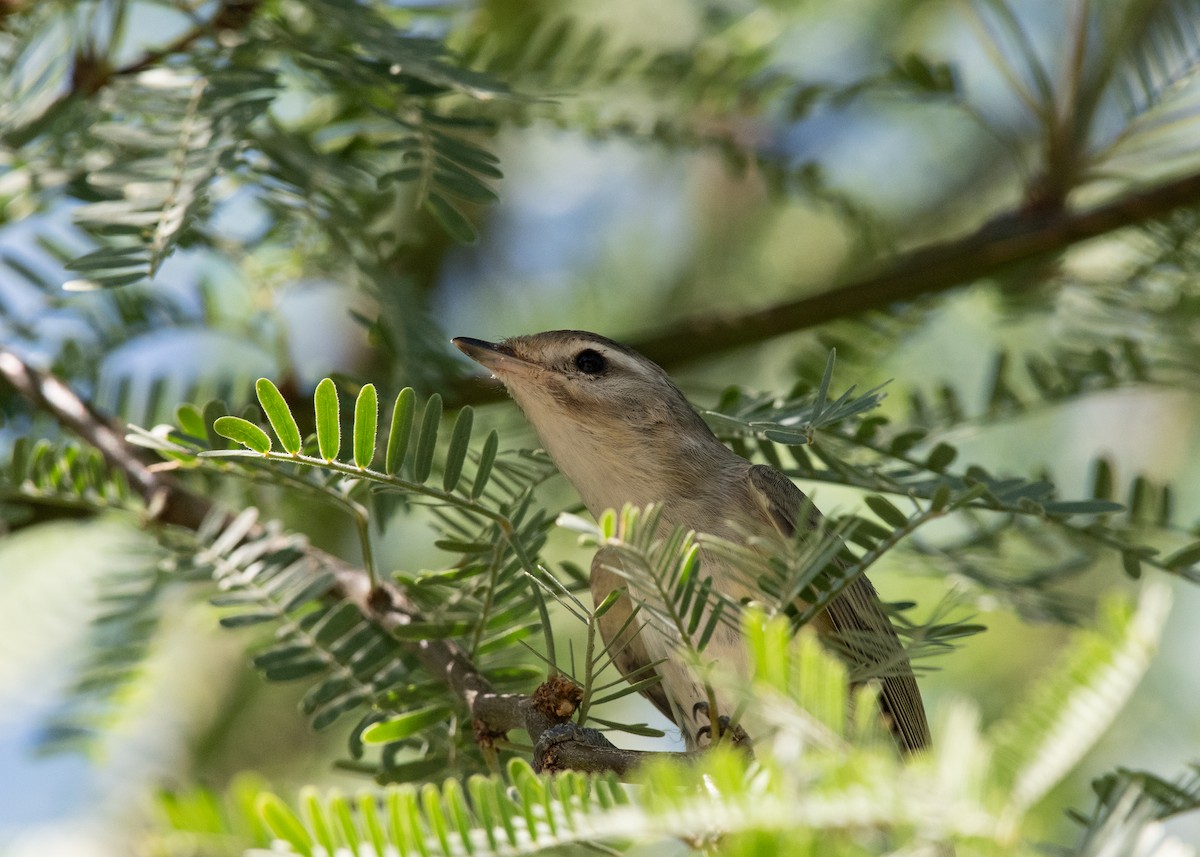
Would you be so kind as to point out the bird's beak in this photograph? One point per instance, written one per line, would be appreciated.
(497, 357)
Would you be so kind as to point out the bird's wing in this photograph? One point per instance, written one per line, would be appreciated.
(619, 628)
(856, 616)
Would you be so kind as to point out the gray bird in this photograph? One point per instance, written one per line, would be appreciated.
(621, 432)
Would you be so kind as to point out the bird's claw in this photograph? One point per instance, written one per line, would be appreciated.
(729, 730)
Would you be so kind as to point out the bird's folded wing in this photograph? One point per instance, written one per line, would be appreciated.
(867, 639)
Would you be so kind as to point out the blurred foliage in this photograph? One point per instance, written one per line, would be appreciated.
(175, 176)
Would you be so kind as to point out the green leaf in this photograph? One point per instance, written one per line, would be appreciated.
(710, 627)
(284, 823)
(318, 822)
(1132, 563)
(487, 457)
(1081, 507)
(107, 258)
(460, 437)
(316, 587)
(244, 432)
(1076, 702)
(606, 605)
(402, 423)
(457, 150)
(241, 620)
(905, 441)
(327, 714)
(329, 427)
(368, 811)
(404, 819)
(931, 77)
(346, 826)
(823, 389)
(278, 414)
(888, 513)
(465, 185)
(435, 817)
(941, 457)
(627, 689)
(486, 803)
(190, 420)
(212, 412)
(366, 413)
(629, 728)
(518, 674)
(431, 630)
(294, 669)
(460, 813)
(333, 623)
(457, 546)
(451, 218)
(1189, 555)
(404, 174)
(405, 725)
(1102, 479)
(427, 441)
(329, 689)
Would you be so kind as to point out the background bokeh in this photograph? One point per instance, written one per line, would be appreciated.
(621, 232)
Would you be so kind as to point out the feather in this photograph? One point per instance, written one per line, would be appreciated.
(865, 637)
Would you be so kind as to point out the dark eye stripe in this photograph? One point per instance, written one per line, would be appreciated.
(590, 362)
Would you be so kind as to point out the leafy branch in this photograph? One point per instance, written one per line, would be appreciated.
(385, 605)
(894, 467)
(807, 789)
(156, 182)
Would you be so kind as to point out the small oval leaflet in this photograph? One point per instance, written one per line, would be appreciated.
(279, 817)
(278, 414)
(244, 432)
(456, 454)
(888, 513)
(189, 418)
(401, 431)
(329, 429)
(366, 412)
(427, 440)
(314, 812)
(487, 458)
(452, 220)
(404, 725)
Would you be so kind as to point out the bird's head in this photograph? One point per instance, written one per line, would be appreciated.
(604, 412)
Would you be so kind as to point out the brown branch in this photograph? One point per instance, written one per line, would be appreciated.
(1001, 243)
(385, 604)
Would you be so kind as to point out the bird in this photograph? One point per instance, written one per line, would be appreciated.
(621, 432)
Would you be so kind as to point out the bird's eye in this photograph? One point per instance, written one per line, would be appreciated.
(590, 362)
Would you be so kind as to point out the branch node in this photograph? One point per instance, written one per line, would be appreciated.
(485, 736)
(380, 600)
(557, 698)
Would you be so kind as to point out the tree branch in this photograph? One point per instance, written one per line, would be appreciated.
(999, 244)
(1002, 242)
(385, 604)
